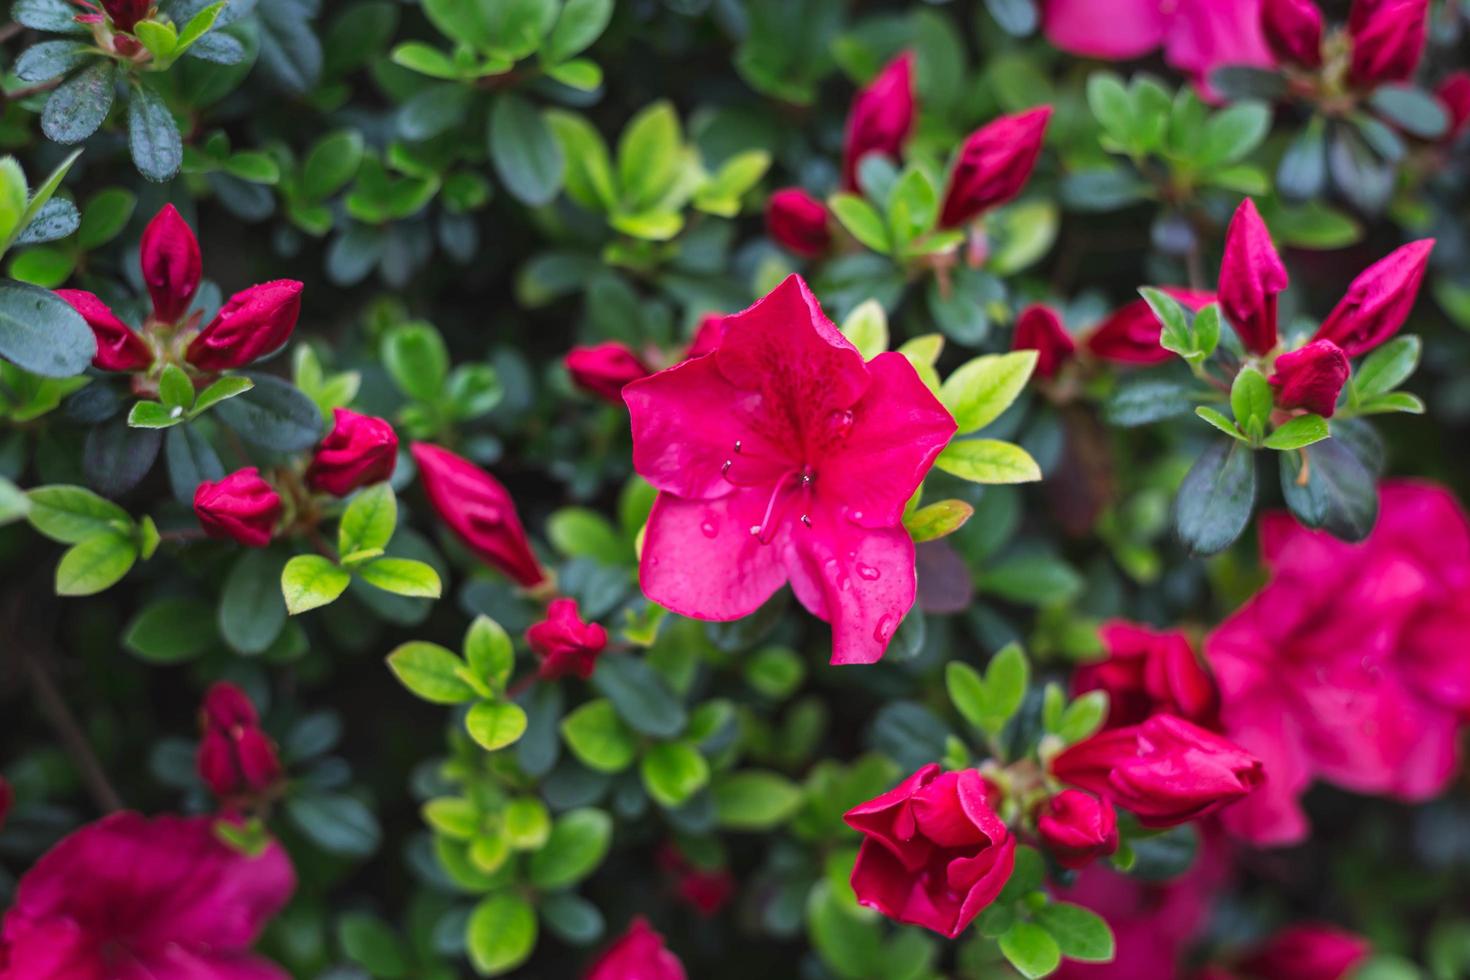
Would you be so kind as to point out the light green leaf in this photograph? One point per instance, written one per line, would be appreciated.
(933, 521)
(1298, 432)
(488, 649)
(501, 934)
(598, 737)
(673, 772)
(71, 514)
(431, 672)
(579, 841)
(867, 327)
(402, 576)
(95, 563)
(862, 221)
(495, 724)
(754, 800)
(369, 520)
(981, 389)
(988, 461)
(309, 581)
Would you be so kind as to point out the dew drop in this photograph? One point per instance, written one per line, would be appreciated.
(857, 515)
(709, 527)
(868, 572)
(884, 629)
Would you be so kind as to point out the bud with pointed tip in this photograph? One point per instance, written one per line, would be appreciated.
(880, 118)
(1378, 301)
(603, 369)
(993, 165)
(798, 222)
(253, 323)
(359, 450)
(1251, 277)
(1388, 40)
(1293, 31)
(119, 346)
(1311, 378)
(172, 266)
(242, 507)
(1039, 328)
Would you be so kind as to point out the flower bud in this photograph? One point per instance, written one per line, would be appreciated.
(242, 507)
(1307, 951)
(236, 758)
(119, 346)
(1454, 95)
(880, 118)
(359, 450)
(934, 852)
(565, 644)
(125, 15)
(255, 322)
(169, 255)
(993, 166)
(1166, 770)
(1131, 334)
(1293, 31)
(602, 370)
(798, 222)
(479, 511)
(1378, 301)
(1077, 828)
(1039, 328)
(1149, 672)
(1311, 378)
(639, 954)
(1388, 40)
(1251, 277)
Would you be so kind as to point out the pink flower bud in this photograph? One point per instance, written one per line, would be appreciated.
(1454, 95)
(934, 853)
(1131, 334)
(125, 15)
(993, 166)
(1148, 672)
(1388, 40)
(1311, 378)
(798, 222)
(236, 758)
(1307, 951)
(1077, 828)
(227, 706)
(1166, 770)
(880, 118)
(1293, 31)
(169, 255)
(253, 323)
(565, 644)
(639, 954)
(1039, 328)
(1251, 277)
(602, 370)
(359, 450)
(1378, 301)
(242, 507)
(478, 510)
(119, 346)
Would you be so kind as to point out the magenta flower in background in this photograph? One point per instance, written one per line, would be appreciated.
(1251, 277)
(1148, 672)
(639, 954)
(783, 457)
(242, 507)
(993, 165)
(1293, 31)
(1166, 771)
(1307, 951)
(133, 898)
(603, 369)
(1388, 40)
(1350, 665)
(1311, 377)
(934, 853)
(1378, 301)
(1039, 328)
(881, 117)
(236, 758)
(798, 222)
(1454, 95)
(360, 450)
(566, 644)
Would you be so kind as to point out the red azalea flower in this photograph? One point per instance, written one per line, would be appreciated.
(934, 853)
(1307, 951)
(119, 346)
(565, 644)
(359, 451)
(639, 954)
(1388, 40)
(1311, 377)
(479, 511)
(125, 14)
(798, 222)
(1166, 771)
(880, 118)
(1148, 672)
(781, 457)
(1251, 277)
(1378, 301)
(993, 165)
(1293, 31)
(1039, 328)
(128, 897)
(1350, 665)
(602, 370)
(1077, 828)
(236, 758)
(242, 506)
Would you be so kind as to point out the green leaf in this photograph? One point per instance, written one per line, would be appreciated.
(1387, 367)
(415, 355)
(526, 823)
(273, 414)
(1219, 421)
(251, 610)
(336, 822)
(1216, 498)
(525, 152)
(1250, 400)
(579, 73)
(1298, 432)
(981, 389)
(41, 333)
(1083, 717)
(650, 155)
(641, 695)
(153, 136)
(936, 520)
(309, 581)
(867, 327)
(1394, 401)
(1174, 334)
(1339, 493)
(488, 649)
(225, 388)
(371, 943)
(71, 514)
(431, 672)
(152, 415)
(159, 38)
(1111, 105)
(579, 841)
(1412, 109)
(199, 25)
(578, 532)
(1030, 949)
(495, 724)
(369, 520)
(501, 934)
(589, 175)
(78, 106)
(171, 630)
(862, 221)
(52, 59)
(1080, 933)
(988, 461)
(580, 23)
(95, 563)
(331, 164)
(1233, 132)
(754, 800)
(598, 738)
(673, 772)
(175, 389)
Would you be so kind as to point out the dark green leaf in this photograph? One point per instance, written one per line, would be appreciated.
(1338, 494)
(39, 331)
(251, 610)
(526, 153)
(640, 695)
(78, 106)
(171, 630)
(153, 136)
(1216, 498)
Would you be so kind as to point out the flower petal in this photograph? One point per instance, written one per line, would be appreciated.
(865, 577)
(700, 559)
(686, 421)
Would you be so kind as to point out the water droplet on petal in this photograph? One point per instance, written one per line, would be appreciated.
(710, 527)
(884, 630)
(868, 572)
(857, 515)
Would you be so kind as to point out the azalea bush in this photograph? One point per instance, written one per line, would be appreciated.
(721, 488)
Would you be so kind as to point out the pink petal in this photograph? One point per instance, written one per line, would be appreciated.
(865, 578)
(1114, 29)
(700, 559)
(685, 425)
